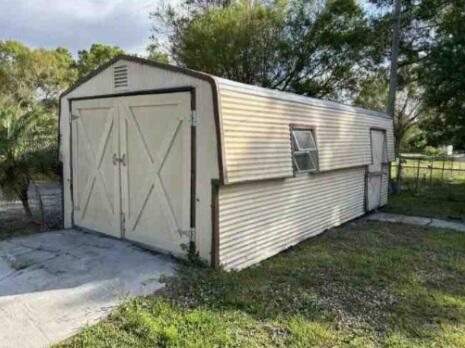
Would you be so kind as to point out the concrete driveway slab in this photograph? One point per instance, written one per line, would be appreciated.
(417, 220)
(54, 283)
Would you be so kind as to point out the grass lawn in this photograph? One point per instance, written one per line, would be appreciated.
(366, 284)
(445, 202)
(430, 192)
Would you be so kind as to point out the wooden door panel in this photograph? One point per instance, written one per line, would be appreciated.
(95, 177)
(374, 177)
(374, 191)
(156, 179)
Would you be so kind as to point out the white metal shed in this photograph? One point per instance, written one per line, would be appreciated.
(164, 156)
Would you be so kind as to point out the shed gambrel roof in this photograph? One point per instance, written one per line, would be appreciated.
(222, 89)
(218, 81)
(138, 60)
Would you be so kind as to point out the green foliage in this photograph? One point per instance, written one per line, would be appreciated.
(410, 109)
(431, 54)
(373, 92)
(362, 285)
(155, 54)
(31, 74)
(304, 46)
(326, 49)
(436, 193)
(237, 42)
(98, 54)
(444, 202)
(333, 50)
(415, 140)
(192, 255)
(30, 82)
(27, 146)
(444, 77)
(433, 151)
(418, 18)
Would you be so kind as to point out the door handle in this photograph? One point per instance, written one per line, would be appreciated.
(121, 160)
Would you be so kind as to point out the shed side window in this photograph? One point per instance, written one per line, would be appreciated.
(304, 150)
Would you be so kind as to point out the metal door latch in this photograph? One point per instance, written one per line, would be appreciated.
(116, 159)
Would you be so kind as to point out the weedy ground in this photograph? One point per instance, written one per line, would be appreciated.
(443, 201)
(366, 284)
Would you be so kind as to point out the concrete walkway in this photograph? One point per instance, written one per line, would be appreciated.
(52, 284)
(416, 220)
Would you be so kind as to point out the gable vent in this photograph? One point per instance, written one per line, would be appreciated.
(120, 76)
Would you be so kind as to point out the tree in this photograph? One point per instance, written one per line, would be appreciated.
(237, 42)
(314, 48)
(418, 22)
(431, 56)
(155, 54)
(443, 75)
(27, 147)
(30, 82)
(410, 107)
(394, 57)
(326, 48)
(29, 74)
(98, 54)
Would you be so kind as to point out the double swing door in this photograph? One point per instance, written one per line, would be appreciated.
(131, 167)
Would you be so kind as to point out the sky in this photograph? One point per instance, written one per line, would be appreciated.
(76, 24)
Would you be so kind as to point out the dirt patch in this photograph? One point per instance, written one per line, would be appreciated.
(13, 221)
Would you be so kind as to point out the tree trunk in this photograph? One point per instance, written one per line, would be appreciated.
(397, 147)
(24, 197)
(394, 56)
(41, 208)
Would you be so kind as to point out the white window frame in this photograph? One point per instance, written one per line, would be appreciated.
(296, 150)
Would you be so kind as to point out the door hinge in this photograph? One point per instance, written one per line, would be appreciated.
(192, 118)
(190, 233)
(74, 117)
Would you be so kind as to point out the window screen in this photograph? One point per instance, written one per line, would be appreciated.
(304, 150)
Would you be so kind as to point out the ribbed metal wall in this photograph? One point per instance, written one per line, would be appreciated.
(260, 219)
(256, 136)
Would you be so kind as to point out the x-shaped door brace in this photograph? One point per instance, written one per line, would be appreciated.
(96, 158)
(154, 181)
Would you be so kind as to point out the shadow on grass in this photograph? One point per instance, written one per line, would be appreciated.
(364, 284)
(441, 201)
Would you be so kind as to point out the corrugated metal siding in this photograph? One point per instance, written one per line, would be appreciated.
(257, 138)
(260, 219)
(384, 185)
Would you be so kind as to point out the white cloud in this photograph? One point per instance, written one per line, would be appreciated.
(76, 24)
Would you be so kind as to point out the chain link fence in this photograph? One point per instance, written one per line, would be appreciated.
(45, 203)
(418, 172)
(428, 186)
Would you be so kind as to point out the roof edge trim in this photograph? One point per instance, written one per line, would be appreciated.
(292, 97)
(196, 74)
(138, 60)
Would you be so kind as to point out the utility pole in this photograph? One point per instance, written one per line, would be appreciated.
(394, 56)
